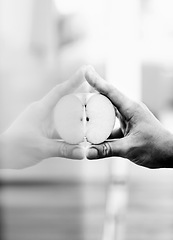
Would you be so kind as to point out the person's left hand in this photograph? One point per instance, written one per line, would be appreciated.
(32, 137)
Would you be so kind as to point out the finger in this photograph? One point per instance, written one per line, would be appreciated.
(120, 101)
(116, 148)
(67, 87)
(64, 150)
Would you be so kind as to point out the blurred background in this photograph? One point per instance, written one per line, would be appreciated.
(42, 43)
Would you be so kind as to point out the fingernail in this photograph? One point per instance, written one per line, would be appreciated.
(92, 153)
(78, 153)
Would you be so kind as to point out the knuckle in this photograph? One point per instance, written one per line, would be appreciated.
(106, 150)
(63, 150)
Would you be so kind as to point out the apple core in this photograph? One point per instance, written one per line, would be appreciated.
(84, 117)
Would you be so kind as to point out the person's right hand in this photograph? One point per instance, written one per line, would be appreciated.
(144, 140)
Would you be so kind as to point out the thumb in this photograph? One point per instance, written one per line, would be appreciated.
(115, 148)
(64, 150)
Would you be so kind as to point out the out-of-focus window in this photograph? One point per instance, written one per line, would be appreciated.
(157, 55)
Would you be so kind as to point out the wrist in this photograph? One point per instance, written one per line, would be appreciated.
(3, 147)
(166, 159)
(6, 153)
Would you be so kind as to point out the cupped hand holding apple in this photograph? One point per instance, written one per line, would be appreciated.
(143, 139)
(33, 136)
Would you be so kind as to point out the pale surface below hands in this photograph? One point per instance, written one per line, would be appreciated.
(32, 137)
(143, 139)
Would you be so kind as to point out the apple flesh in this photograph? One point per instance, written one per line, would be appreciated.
(84, 117)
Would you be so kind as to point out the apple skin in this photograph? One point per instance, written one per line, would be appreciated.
(84, 117)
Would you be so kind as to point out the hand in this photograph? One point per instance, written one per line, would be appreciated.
(143, 140)
(32, 137)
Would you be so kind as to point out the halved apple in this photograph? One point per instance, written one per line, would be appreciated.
(84, 117)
